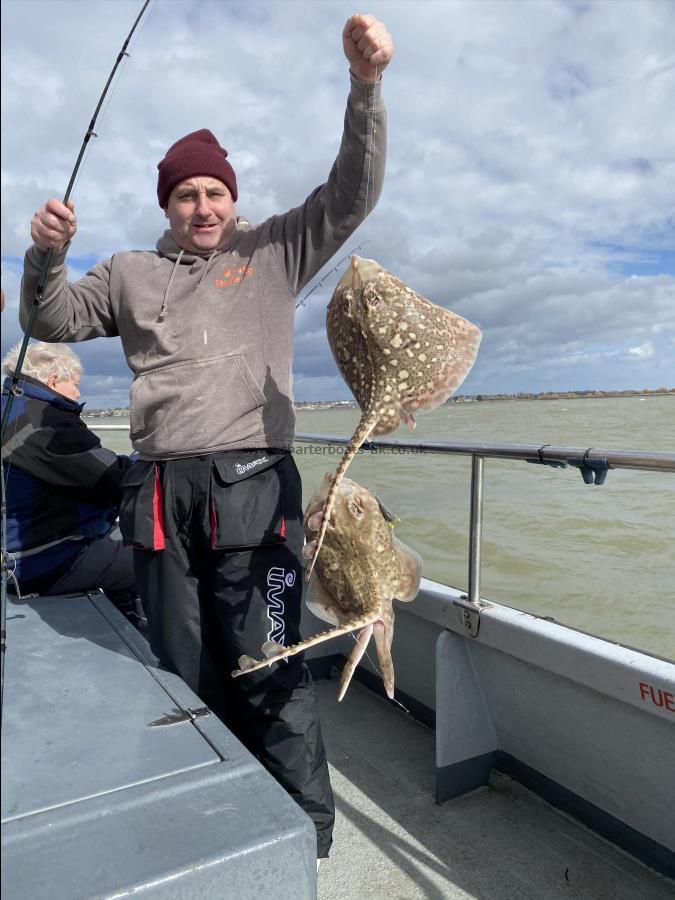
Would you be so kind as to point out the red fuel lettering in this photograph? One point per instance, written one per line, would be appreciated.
(660, 698)
(659, 695)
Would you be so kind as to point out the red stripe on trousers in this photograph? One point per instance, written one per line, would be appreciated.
(214, 524)
(158, 534)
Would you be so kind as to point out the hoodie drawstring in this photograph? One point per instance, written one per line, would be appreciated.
(165, 302)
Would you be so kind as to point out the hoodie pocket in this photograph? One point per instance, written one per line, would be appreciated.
(195, 406)
(247, 503)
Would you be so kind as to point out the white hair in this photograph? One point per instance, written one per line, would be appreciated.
(43, 360)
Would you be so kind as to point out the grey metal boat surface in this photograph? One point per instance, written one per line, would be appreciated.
(499, 842)
(587, 724)
(116, 781)
(584, 723)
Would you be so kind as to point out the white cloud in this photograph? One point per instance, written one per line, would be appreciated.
(530, 171)
(642, 351)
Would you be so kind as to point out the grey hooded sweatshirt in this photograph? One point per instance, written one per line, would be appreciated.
(209, 338)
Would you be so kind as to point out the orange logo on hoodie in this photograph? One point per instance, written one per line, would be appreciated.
(234, 276)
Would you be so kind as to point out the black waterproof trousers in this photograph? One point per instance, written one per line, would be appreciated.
(104, 563)
(218, 543)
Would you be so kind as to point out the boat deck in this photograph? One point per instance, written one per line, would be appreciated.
(392, 840)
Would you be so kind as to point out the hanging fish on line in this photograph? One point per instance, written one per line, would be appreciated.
(362, 568)
(398, 352)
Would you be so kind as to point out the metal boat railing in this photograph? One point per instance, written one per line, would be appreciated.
(592, 462)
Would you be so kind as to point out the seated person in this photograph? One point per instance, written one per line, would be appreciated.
(63, 487)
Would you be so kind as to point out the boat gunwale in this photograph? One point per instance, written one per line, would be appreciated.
(544, 643)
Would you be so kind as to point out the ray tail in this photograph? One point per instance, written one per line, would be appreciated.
(354, 659)
(383, 646)
(248, 664)
(366, 425)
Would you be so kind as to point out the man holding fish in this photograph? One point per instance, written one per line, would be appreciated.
(213, 506)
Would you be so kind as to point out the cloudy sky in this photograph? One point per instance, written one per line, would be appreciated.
(531, 167)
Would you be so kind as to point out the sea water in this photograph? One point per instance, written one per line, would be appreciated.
(597, 558)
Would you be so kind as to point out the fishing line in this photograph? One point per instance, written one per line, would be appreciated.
(369, 150)
(370, 198)
(106, 106)
(104, 113)
(102, 118)
(123, 65)
(368, 657)
(328, 274)
(370, 194)
(11, 559)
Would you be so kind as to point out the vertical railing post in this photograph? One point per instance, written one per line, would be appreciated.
(468, 606)
(475, 527)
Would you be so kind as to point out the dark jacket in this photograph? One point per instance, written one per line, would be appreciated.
(63, 487)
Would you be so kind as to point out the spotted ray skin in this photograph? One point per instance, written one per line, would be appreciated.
(362, 568)
(398, 352)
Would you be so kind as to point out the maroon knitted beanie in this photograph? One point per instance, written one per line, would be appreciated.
(198, 153)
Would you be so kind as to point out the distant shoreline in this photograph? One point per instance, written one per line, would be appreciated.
(120, 412)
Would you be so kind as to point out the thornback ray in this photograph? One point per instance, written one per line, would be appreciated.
(398, 352)
(362, 569)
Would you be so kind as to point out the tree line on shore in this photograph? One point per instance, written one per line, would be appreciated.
(458, 398)
(561, 395)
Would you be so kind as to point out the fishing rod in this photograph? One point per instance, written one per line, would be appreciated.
(13, 387)
(48, 257)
